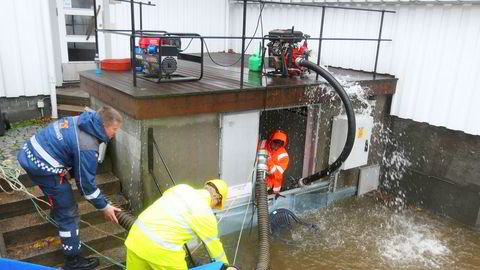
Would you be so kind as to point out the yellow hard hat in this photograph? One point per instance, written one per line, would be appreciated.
(222, 189)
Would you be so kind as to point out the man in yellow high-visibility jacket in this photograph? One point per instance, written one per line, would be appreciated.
(156, 239)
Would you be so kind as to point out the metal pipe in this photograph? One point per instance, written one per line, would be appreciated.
(243, 42)
(136, 2)
(132, 44)
(321, 38)
(315, 5)
(95, 28)
(141, 17)
(163, 161)
(378, 46)
(120, 32)
(50, 56)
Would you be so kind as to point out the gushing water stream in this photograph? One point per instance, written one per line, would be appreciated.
(361, 233)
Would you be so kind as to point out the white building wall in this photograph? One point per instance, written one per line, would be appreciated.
(192, 16)
(435, 52)
(26, 50)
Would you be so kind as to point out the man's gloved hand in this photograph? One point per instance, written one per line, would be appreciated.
(232, 267)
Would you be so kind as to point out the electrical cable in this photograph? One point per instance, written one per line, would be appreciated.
(188, 45)
(241, 230)
(231, 205)
(240, 58)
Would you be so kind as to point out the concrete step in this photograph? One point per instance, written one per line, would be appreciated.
(48, 251)
(69, 110)
(102, 168)
(19, 203)
(73, 95)
(32, 227)
(73, 100)
(118, 254)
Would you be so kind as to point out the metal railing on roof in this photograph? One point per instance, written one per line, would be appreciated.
(133, 33)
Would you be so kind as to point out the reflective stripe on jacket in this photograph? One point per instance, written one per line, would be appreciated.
(71, 142)
(277, 164)
(164, 227)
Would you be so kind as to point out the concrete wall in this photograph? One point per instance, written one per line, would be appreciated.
(189, 145)
(125, 153)
(442, 172)
(22, 108)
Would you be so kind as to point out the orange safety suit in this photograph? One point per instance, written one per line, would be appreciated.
(277, 159)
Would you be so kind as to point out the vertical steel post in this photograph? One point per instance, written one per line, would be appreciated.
(150, 149)
(320, 38)
(95, 28)
(243, 41)
(141, 17)
(132, 44)
(378, 45)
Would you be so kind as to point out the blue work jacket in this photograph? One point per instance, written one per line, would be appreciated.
(68, 143)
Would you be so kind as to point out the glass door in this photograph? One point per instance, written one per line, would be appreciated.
(77, 36)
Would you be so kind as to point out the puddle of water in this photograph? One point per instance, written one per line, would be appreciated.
(360, 233)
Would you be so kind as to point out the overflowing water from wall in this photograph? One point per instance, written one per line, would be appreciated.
(389, 154)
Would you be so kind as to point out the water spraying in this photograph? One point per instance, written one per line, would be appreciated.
(350, 117)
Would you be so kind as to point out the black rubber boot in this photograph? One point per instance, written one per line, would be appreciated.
(80, 263)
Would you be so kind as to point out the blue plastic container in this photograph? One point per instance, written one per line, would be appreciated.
(139, 50)
(17, 265)
(210, 266)
(152, 49)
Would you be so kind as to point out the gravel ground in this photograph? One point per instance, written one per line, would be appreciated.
(13, 139)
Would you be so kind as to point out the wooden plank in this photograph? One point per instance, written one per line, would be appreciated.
(218, 91)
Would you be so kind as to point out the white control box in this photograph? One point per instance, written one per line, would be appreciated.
(359, 155)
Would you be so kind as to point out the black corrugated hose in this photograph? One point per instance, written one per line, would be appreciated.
(350, 119)
(262, 205)
(125, 218)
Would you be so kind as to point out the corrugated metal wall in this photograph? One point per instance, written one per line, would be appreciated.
(192, 16)
(435, 53)
(26, 54)
(436, 56)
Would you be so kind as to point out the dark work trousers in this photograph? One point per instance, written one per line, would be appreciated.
(64, 210)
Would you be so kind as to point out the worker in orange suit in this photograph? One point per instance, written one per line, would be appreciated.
(277, 159)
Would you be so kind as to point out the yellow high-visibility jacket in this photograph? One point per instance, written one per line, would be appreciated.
(164, 227)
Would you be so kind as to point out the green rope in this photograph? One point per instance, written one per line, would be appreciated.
(105, 257)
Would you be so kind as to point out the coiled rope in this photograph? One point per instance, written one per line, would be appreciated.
(10, 175)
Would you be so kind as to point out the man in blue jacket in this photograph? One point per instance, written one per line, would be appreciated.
(71, 143)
